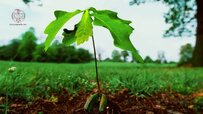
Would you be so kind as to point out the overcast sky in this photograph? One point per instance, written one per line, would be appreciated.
(147, 20)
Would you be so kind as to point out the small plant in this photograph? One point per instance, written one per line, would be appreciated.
(119, 29)
(5, 106)
(12, 69)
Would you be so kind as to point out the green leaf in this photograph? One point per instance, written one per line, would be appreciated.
(52, 29)
(69, 36)
(119, 29)
(84, 30)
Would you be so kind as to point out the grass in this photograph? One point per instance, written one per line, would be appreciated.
(33, 80)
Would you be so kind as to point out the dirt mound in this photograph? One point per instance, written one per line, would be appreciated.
(120, 103)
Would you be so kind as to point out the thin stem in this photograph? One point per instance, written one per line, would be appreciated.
(96, 67)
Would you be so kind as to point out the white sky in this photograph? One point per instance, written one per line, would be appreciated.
(147, 20)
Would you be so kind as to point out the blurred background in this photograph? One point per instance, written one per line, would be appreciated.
(165, 31)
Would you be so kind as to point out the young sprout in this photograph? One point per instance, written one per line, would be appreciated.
(120, 30)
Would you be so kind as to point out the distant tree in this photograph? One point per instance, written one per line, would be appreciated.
(124, 54)
(107, 59)
(27, 45)
(172, 62)
(14, 45)
(9, 52)
(158, 61)
(72, 55)
(52, 52)
(185, 18)
(116, 56)
(5, 53)
(39, 54)
(26, 49)
(148, 59)
(161, 57)
(99, 53)
(84, 55)
(62, 53)
(186, 53)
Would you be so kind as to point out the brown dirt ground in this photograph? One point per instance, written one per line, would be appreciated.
(119, 103)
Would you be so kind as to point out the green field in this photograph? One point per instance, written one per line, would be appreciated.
(33, 80)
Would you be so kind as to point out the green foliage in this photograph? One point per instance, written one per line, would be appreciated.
(26, 49)
(84, 55)
(39, 54)
(81, 32)
(125, 54)
(148, 59)
(119, 28)
(61, 53)
(52, 29)
(20, 49)
(27, 45)
(186, 52)
(9, 52)
(69, 36)
(116, 56)
(199, 103)
(84, 30)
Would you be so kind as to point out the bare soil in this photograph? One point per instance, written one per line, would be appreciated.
(119, 103)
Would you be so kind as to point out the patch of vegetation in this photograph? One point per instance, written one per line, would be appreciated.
(34, 80)
(199, 103)
(25, 48)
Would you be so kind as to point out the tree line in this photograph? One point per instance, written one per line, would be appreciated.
(27, 49)
(185, 54)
